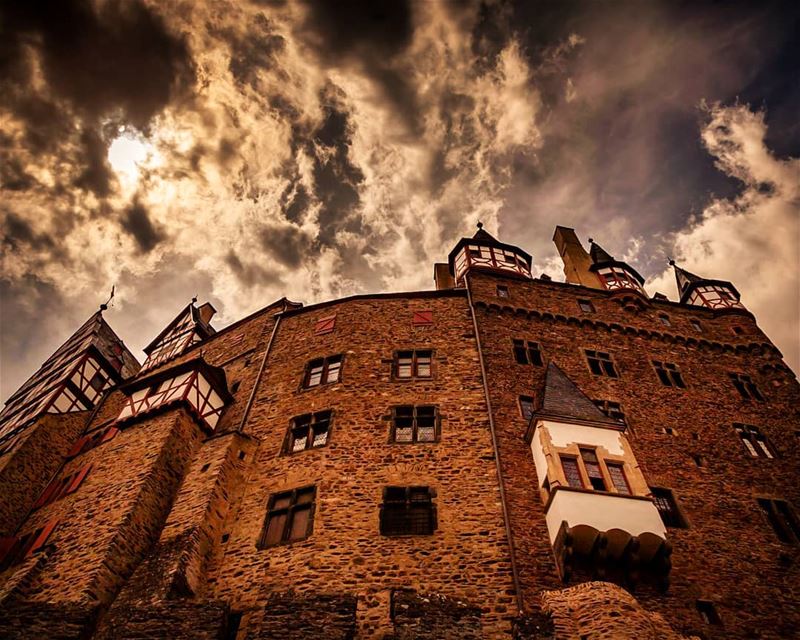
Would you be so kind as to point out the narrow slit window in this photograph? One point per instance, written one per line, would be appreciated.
(708, 612)
(526, 407)
(572, 472)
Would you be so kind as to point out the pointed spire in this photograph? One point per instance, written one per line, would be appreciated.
(598, 254)
(480, 234)
(683, 277)
(561, 398)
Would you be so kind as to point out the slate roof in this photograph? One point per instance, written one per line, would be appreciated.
(561, 398)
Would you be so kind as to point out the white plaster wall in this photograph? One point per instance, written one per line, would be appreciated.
(566, 434)
(603, 512)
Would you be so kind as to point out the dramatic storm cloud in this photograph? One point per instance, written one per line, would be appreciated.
(245, 151)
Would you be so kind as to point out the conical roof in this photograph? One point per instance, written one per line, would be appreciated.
(482, 234)
(684, 277)
(598, 254)
(561, 398)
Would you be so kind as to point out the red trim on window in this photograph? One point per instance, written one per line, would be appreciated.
(41, 539)
(79, 478)
(422, 318)
(47, 494)
(325, 325)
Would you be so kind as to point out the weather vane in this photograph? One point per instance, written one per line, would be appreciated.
(104, 306)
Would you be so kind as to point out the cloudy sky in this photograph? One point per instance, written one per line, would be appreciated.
(242, 151)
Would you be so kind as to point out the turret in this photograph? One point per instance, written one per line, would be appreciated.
(612, 273)
(702, 292)
(483, 252)
(191, 325)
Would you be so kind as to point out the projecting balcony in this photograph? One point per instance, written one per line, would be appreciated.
(607, 533)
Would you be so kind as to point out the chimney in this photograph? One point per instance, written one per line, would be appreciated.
(576, 259)
(206, 311)
(442, 276)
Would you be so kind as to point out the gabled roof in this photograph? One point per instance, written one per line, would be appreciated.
(205, 328)
(562, 399)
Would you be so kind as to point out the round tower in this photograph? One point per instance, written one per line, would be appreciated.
(713, 294)
(485, 253)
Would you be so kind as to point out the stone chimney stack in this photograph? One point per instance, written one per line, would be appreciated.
(576, 259)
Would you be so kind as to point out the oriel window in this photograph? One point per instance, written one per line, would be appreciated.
(527, 353)
(754, 441)
(600, 363)
(414, 424)
(309, 431)
(413, 364)
(323, 371)
(289, 517)
(745, 386)
(408, 511)
(669, 374)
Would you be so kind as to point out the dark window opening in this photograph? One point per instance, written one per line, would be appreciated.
(668, 507)
(696, 326)
(413, 364)
(407, 511)
(526, 407)
(669, 374)
(783, 519)
(592, 466)
(309, 431)
(664, 319)
(289, 517)
(528, 353)
(745, 386)
(502, 291)
(754, 441)
(414, 424)
(708, 612)
(600, 363)
(232, 625)
(323, 371)
(586, 306)
(738, 330)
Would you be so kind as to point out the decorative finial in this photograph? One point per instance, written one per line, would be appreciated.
(104, 306)
(591, 240)
(671, 262)
(194, 299)
(480, 225)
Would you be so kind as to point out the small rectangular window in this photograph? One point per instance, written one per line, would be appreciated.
(745, 386)
(527, 353)
(600, 363)
(593, 471)
(325, 325)
(737, 330)
(502, 291)
(669, 374)
(754, 441)
(309, 431)
(612, 409)
(586, 306)
(422, 318)
(407, 511)
(414, 424)
(413, 364)
(696, 326)
(664, 319)
(289, 517)
(322, 371)
(571, 471)
(668, 507)
(616, 471)
(708, 612)
(526, 407)
(783, 519)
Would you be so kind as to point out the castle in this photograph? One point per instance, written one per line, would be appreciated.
(505, 456)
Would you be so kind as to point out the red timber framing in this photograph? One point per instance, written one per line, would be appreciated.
(474, 255)
(714, 297)
(194, 383)
(616, 277)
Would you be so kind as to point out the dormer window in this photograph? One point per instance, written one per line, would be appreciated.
(196, 384)
(188, 328)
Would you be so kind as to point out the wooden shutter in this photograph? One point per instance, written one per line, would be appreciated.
(109, 434)
(422, 318)
(78, 446)
(325, 325)
(47, 494)
(79, 478)
(42, 537)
